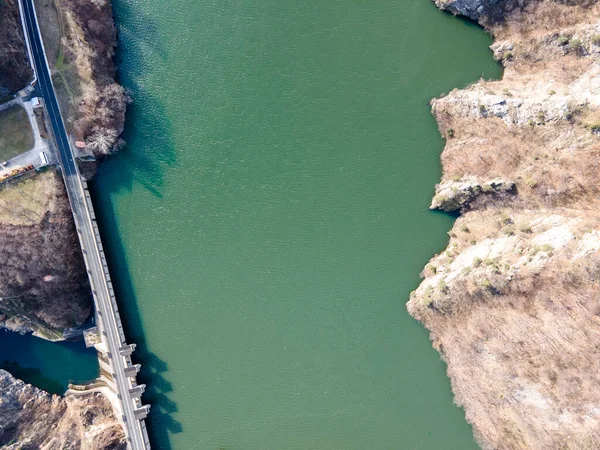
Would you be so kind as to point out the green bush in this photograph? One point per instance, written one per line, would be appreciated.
(525, 228)
(594, 127)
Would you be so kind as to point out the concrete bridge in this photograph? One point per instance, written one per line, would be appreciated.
(114, 353)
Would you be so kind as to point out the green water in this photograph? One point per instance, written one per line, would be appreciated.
(269, 218)
(47, 365)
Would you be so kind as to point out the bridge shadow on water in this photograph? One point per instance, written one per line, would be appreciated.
(160, 420)
(150, 151)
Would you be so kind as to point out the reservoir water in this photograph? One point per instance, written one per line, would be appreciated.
(47, 365)
(269, 218)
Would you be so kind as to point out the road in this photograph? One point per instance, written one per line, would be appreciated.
(107, 315)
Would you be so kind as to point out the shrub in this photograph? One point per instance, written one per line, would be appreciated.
(594, 127)
(596, 39)
(574, 44)
(541, 117)
(562, 40)
(428, 296)
(531, 183)
(547, 248)
(442, 286)
(509, 231)
(525, 228)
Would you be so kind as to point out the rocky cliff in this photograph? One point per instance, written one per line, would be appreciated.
(513, 304)
(33, 419)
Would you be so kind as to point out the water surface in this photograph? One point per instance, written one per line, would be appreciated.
(269, 218)
(47, 365)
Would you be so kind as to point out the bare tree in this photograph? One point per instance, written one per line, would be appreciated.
(102, 140)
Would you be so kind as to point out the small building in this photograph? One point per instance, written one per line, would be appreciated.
(43, 159)
(79, 144)
(35, 101)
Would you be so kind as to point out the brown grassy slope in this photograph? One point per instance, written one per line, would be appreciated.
(43, 284)
(513, 303)
(15, 72)
(33, 419)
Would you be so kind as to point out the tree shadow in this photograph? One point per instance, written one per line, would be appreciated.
(150, 151)
(139, 163)
(147, 120)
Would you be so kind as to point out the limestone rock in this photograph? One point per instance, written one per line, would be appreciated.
(513, 303)
(31, 418)
(456, 195)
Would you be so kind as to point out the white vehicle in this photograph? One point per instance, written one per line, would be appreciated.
(43, 159)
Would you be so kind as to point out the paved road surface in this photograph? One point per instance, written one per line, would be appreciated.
(107, 315)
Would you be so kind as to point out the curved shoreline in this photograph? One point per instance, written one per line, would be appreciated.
(511, 304)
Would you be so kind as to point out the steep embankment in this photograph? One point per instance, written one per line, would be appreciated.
(14, 66)
(43, 284)
(89, 43)
(33, 419)
(513, 304)
(80, 38)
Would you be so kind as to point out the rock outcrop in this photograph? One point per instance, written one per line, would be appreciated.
(33, 419)
(458, 194)
(513, 304)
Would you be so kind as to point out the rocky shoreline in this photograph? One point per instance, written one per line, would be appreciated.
(513, 304)
(33, 419)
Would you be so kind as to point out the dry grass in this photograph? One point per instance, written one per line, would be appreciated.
(16, 136)
(521, 339)
(26, 202)
(32, 419)
(539, 17)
